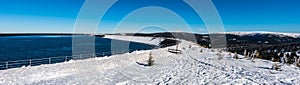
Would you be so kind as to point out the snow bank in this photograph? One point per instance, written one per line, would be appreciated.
(195, 66)
(146, 40)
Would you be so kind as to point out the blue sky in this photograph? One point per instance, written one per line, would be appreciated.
(237, 15)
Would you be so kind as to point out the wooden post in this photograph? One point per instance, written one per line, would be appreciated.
(29, 62)
(176, 45)
(7, 65)
(49, 60)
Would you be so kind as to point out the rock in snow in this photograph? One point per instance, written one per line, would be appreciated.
(190, 67)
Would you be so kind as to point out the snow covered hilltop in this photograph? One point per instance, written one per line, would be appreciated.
(195, 65)
(294, 35)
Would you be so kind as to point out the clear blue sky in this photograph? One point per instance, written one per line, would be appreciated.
(237, 15)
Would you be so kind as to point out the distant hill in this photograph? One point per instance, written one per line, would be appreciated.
(231, 38)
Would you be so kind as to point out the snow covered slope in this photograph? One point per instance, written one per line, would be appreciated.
(294, 35)
(147, 40)
(196, 66)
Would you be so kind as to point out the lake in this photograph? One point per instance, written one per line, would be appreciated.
(13, 48)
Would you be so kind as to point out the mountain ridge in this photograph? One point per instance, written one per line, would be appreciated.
(294, 35)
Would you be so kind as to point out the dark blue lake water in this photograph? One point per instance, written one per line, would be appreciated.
(37, 47)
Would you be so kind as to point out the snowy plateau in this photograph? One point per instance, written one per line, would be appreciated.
(195, 66)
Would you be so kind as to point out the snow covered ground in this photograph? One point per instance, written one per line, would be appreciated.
(196, 65)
